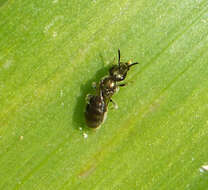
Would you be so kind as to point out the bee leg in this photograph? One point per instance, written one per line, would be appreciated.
(121, 85)
(124, 84)
(88, 97)
(115, 105)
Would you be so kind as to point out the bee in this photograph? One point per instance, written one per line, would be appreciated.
(96, 110)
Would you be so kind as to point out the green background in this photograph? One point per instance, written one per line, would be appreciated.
(51, 52)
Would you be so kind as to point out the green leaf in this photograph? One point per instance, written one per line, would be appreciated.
(51, 52)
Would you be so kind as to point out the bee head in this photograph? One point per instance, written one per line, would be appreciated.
(119, 72)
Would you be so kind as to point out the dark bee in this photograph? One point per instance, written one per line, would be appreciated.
(96, 109)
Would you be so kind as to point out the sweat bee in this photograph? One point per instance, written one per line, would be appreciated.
(96, 110)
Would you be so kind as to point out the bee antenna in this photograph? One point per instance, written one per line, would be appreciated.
(119, 57)
(133, 64)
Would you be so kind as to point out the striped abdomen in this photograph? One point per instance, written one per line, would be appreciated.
(95, 111)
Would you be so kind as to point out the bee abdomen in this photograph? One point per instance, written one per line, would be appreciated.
(95, 111)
